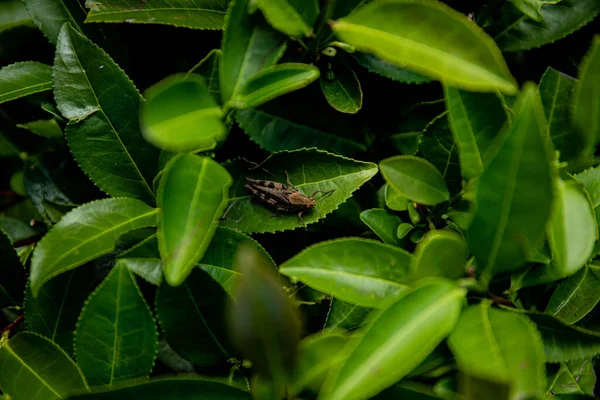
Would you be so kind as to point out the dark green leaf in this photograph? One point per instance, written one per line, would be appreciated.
(574, 377)
(47, 128)
(50, 15)
(116, 334)
(144, 260)
(441, 253)
(24, 78)
(388, 69)
(12, 274)
(342, 89)
(345, 315)
(292, 17)
(208, 67)
(576, 296)
(383, 223)
(13, 14)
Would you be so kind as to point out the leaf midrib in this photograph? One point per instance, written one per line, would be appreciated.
(11, 351)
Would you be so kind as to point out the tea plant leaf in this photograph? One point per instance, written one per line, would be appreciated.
(574, 377)
(274, 131)
(13, 14)
(273, 82)
(394, 200)
(408, 330)
(532, 8)
(180, 114)
(55, 310)
(309, 170)
(441, 253)
(191, 317)
(12, 274)
(358, 271)
(86, 84)
(501, 235)
(116, 334)
(500, 346)
(47, 128)
(34, 368)
(415, 178)
(189, 213)
(86, 233)
(208, 67)
(50, 15)
(342, 89)
(203, 14)
(345, 315)
(576, 296)
(383, 223)
(475, 119)
(405, 32)
(586, 110)
(515, 31)
(292, 17)
(143, 259)
(24, 78)
(248, 47)
(387, 69)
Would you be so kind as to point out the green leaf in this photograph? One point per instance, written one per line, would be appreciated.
(24, 78)
(272, 82)
(383, 223)
(116, 334)
(12, 274)
(359, 271)
(514, 31)
(342, 89)
(292, 17)
(518, 178)
(54, 312)
(388, 69)
(175, 388)
(50, 15)
(394, 199)
(403, 230)
(586, 110)
(103, 106)
(180, 114)
(556, 90)
(203, 14)
(475, 119)
(191, 317)
(189, 214)
(533, 8)
(144, 260)
(208, 67)
(590, 179)
(408, 330)
(574, 377)
(34, 368)
(13, 14)
(248, 47)
(415, 178)
(395, 31)
(500, 346)
(576, 296)
(345, 315)
(441, 253)
(309, 170)
(47, 128)
(84, 234)
(273, 130)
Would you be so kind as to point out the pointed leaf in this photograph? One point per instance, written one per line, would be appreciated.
(532, 8)
(309, 170)
(388, 69)
(441, 253)
(273, 82)
(84, 234)
(50, 15)
(408, 330)
(12, 274)
(415, 178)
(345, 315)
(47, 128)
(500, 346)
(292, 17)
(204, 14)
(383, 223)
(586, 109)
(507, 224)
(208, 67)
(86, 84)
(24, 78)
(189, 213)
(248, 45)
(179, 114)
(34, 368)
(574, 377)
(342, 89)
(116, 334)
(359, 271)
(395, 31)
(576, 296)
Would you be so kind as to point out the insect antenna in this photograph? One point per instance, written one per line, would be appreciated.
(258, 165)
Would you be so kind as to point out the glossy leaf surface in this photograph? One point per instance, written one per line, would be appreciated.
(25, 78)
(574, 377)
(345, 315)
(50, 15)
(394, 200)
(208, 67)
(342, 89)
(383, 223)
(388, 69)
(441, 253)
(292, 17)
(576, 296)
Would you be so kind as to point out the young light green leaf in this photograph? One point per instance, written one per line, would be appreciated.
(408, 330)
(248, 45)
(404, 229)
(208, 67)
(50, 15)
(533, 8)
(189, 214)
(574, 377)
(34, 368)
(388, 69)
(415, 178)
(180, 114)
(203, 14)
(272, 82)
(394, 200)
(358, 271)
(440, 253)
(191, 317)
(342, 89)
(24, 78)
(514, 31)
(475, 119)
(47, 128)
(465, 57)
(84, 234)
(116, 334)
(576, 296)
(345, 315)
(309, 170)
(590, 178)
(12, 274)
(514, 194)
(86, 84)
(383, 223)
(292, 17)
(500, 346)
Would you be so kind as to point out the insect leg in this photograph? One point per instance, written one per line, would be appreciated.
(301, 220)
(287, 177)
(258, 165)
(224, 217)
(327, 193)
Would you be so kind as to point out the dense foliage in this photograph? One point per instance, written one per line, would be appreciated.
(299, 199)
